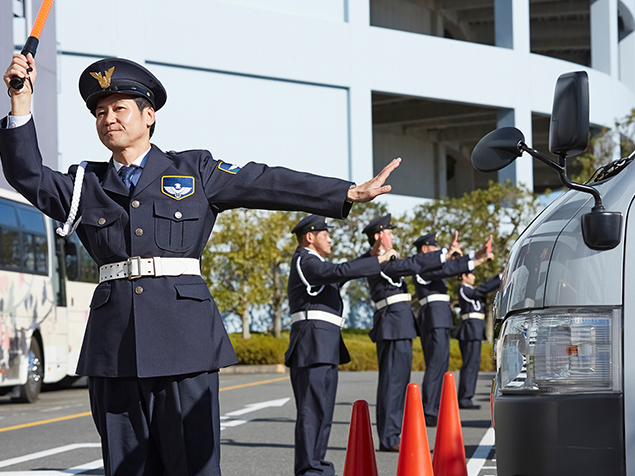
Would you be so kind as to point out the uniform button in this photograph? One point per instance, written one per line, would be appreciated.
(138, 290)
(138, 232)
(135, 204)
(101, 221)
(178, 215)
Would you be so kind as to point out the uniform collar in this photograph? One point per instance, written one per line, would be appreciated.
(139, 162)
(309, 250)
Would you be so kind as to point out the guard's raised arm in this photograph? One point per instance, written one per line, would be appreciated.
(22, 67)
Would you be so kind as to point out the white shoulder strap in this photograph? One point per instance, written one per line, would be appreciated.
(387, 278)
(422, 281)
(305, 282)
(69, 227)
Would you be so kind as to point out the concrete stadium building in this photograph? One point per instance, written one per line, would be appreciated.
(336, 87)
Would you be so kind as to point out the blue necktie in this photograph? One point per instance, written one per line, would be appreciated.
(126, 173)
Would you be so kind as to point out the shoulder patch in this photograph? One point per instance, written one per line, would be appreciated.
(229, 168)
(177, 186)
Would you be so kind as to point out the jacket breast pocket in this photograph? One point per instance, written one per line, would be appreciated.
(176, 225)
(104, 230)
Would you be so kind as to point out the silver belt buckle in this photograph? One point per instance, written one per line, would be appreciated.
(131, 263)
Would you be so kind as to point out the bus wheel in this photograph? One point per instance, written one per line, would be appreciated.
(30, 391)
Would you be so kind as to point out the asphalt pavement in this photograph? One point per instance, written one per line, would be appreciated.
(56, 436)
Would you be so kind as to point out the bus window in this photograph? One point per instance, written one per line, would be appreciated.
(79, 265)
(10, 257)
(35, 248)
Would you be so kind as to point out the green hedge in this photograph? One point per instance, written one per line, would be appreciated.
(263, 349)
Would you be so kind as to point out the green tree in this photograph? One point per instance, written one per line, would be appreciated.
(277, 247)
(231, 267)
(501, 210)
(244, 263)
(600, 150)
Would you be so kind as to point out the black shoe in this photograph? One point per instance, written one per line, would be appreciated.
(431, 420)
(471, 406)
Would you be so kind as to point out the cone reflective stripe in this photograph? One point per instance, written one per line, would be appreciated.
(360, 451)
(414, 452)
(449, 450)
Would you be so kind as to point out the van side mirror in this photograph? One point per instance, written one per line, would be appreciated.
(497, 149)
(602, 230)
(568, 137)
(569, 126)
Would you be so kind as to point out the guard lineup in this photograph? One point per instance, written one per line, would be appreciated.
(316, 346)
(144, 217)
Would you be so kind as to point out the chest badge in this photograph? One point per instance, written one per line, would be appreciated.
(177, 186)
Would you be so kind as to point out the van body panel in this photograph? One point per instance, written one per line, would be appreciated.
(560, 435)
(550, 267)
(629, 340)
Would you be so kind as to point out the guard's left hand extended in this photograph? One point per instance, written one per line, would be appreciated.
(375, 186)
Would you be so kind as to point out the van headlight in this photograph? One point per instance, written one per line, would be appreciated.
(560, 351)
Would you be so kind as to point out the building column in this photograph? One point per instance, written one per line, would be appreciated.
(516, 14)
(360, 120)
(503, 24)
(604, 37)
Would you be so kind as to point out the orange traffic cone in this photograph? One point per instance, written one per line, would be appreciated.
(449, 451)
(360, 452)
(414, 452)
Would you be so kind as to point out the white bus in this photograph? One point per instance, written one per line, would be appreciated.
(46, 283)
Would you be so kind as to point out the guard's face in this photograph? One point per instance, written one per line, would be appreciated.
(429, 248)
(120, 123)
(322, 242)
(388, 238)
(469, 278)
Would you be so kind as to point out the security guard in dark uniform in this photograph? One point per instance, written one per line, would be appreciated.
(316, 347)
(472, 332)
(154, 340)
(434, 320)
(393, 328)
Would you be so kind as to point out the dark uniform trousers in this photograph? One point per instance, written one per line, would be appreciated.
(159, 418)
(315, 350)
(471, 334)
(150, 340)
(434, 322)
(393, 331)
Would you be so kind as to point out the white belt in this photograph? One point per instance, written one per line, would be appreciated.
(434, 297)
(319, 316)
(473, 315)
(391, 300)
(137, 267)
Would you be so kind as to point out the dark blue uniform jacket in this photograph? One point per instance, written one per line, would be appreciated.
(437, 313)
(157, 326)
(471, 300)
(314, 341)
(396, 321)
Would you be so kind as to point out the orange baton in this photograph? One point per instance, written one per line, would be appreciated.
(33, 40)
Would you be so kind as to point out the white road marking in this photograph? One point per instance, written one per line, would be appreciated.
(227, 420)
(44, 454)
(478, 459)
(76, 470)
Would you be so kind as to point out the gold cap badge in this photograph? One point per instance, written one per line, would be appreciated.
(104, 81)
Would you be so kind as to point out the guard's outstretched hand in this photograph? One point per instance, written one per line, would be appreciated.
(375, 186)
